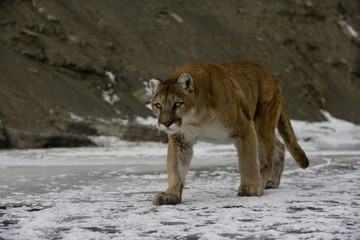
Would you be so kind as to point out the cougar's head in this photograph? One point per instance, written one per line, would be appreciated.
(172, 102)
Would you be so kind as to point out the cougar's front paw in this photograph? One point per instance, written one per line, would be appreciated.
(250, 190)
(163, 198)
(271, 184)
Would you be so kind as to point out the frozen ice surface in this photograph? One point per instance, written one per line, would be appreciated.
(106, 192)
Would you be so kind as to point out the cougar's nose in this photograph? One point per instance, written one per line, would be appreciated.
(167, 124)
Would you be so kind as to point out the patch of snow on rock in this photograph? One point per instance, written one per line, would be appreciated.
(111, 76)
(149, 121)
(110, 97)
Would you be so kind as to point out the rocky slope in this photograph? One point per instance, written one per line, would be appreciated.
(69, 69)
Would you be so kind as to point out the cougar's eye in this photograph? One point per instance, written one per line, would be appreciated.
(158, 105)
(177, 104)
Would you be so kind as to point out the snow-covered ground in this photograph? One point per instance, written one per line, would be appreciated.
(106, 192)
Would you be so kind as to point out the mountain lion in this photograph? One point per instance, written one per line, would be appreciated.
(237, 103)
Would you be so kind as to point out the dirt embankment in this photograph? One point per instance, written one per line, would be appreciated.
(69, 69)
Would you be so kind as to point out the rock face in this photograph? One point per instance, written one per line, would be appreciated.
(73, 69)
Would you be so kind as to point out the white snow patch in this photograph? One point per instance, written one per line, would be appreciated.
(110, 97)
(149, 121)
(349, 30)
(120, 121)
(352, 31)
(51, 17)
(75, 117)
(39, 8)
(111, 76)
(176, 17)
(329, 134)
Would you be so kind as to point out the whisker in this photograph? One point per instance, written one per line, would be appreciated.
(151, 130)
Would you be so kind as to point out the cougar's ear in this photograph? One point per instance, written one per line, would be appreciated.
(186, 81)
(154, 83)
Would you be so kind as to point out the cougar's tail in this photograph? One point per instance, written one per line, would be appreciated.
(287, 133)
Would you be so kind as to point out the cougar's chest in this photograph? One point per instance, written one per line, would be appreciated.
(213, 133)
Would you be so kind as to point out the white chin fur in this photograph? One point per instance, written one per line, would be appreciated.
(171, 130)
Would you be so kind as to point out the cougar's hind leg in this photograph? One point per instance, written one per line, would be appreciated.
(265, 124)
(266, 155)
(251, 184)
(279, 158)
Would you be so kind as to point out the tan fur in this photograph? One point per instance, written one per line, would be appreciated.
(239, 103)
